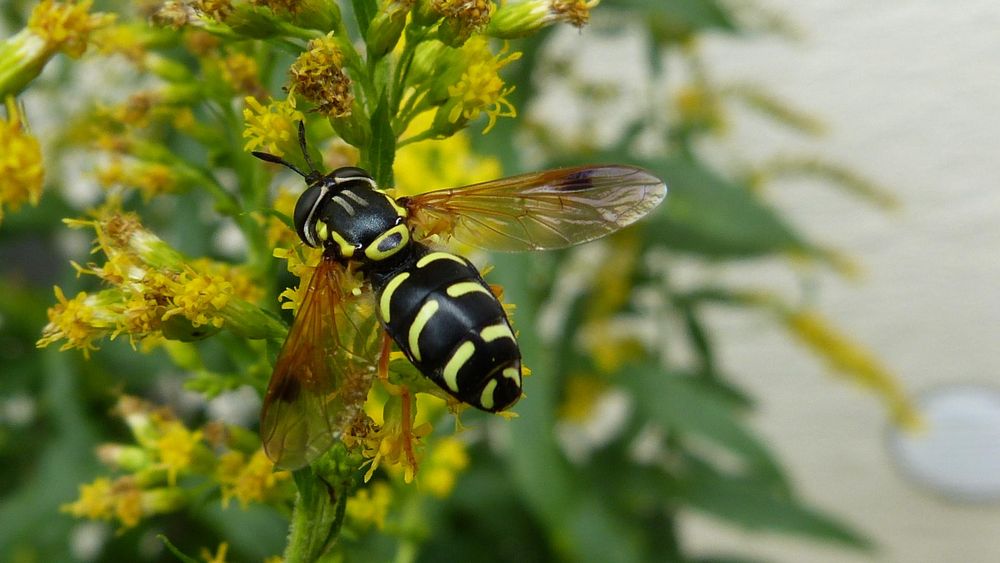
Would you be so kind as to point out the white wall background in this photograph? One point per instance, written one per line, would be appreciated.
(911, 92)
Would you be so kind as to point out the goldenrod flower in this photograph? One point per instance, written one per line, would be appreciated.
(248, 480)
(480, 88)
(271, 128)
(218, 10)
(241, 72)
(21, 170)
(152, 284)
(317, 75)
(301, 266)
(522, 18)
(52, 27)
(95, 503)
(176, 447)
(852, 360)
(124, 500)
(66, 25)
(446, 460)
(79, 321)
(370, 506)
(396, 443)
(462, 18)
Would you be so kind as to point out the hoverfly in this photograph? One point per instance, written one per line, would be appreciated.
(433, 304)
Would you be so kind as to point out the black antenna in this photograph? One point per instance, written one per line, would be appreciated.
(305, 152)
(277, 160)
(313, 174)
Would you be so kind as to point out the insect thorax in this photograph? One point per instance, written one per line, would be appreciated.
(357, 222)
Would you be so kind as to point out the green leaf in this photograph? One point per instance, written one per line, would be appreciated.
(752, 506)
(707, 214)
(689, 406)
(674, 20)
(381, 152)
(364, 12)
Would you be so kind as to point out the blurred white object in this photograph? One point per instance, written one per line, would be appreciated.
(957, 454)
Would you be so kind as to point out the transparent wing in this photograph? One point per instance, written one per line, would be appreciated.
(539, 211)
(323, 373)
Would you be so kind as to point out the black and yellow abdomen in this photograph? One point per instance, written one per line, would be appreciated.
(444, 317)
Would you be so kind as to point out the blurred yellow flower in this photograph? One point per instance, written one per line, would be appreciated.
(447, 458)
(854, 361)
(21, 171)
(369, 506)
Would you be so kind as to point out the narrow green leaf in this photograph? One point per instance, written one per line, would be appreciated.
(710, 215)
(364, 12)
(685, 405)
(177, 552)
(381, 153)
(754, 507)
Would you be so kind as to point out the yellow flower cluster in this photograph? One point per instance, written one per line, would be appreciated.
(66, 25)
(21, 170)
(165, 451)
(152, 286)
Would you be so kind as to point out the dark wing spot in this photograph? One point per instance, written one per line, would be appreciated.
(288, 390)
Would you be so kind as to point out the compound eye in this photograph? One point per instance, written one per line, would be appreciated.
(348, 173)
(304, 213)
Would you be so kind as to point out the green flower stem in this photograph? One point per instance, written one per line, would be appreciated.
(320, 505)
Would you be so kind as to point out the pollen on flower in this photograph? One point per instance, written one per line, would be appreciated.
(21, 171)
(574, 12)
(317, 75)
(271, 128)
(66, 25)
(200, 298)
(218, 10)
(462, 18)
(78, 321)
(480, 89)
